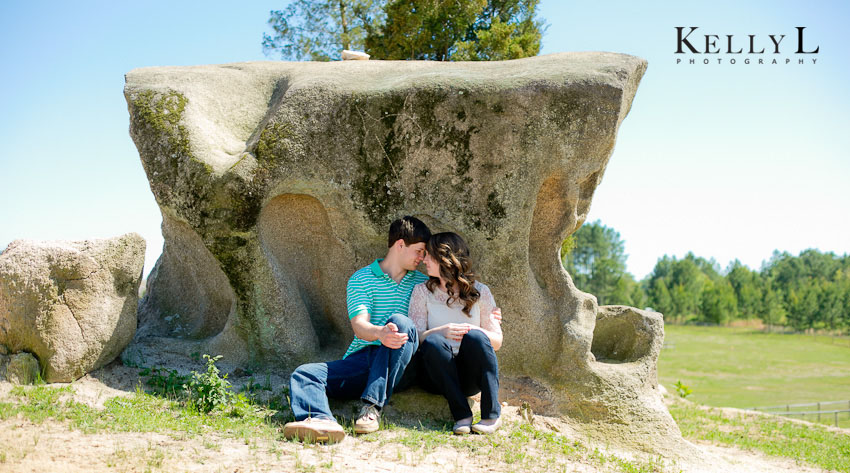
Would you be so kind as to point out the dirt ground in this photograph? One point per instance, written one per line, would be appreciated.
(54, 447)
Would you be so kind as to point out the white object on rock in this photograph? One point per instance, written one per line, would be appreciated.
(354, 55)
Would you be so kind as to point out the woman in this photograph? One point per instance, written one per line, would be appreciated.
(458, 334)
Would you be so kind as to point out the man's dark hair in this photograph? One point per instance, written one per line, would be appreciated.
(410, 229)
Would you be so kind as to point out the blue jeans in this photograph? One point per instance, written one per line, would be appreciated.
(474, 369)
(370, 373)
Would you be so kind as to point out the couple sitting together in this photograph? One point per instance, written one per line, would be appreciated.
(446, 320)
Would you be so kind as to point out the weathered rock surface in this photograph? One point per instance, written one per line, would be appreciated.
(21, 368)
(276, 181)
(72, 304)
(4, 362)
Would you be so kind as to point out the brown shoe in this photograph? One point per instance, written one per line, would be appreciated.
(368, 421)
(314, 429)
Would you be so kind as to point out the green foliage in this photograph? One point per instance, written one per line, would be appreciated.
(748, 288)
(679, 284)
(163, 381)
(473, 30)
(209, 391)
(718, 303)
(682, 389)
(809, 291)
(506, 29)
(423, 29)
(317, 30)
(595, 258)
(447, 30)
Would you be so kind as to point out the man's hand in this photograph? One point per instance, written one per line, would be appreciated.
(497, 315)
(391, 338)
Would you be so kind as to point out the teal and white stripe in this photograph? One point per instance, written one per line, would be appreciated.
(372, 291)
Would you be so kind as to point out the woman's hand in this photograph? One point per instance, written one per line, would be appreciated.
(454, 331)
(497, 315)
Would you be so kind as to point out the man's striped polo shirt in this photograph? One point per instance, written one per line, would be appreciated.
(372, 291)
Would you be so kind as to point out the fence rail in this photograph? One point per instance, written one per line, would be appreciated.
(788, 407)
(785, 410)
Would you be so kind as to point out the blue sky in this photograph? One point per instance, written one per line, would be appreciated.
(727, 161)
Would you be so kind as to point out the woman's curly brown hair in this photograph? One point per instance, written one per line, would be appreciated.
(451, 253)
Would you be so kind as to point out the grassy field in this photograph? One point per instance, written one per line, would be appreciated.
(775, 436)
(738, 367)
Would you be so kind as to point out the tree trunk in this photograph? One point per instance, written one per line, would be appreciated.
(346, 44)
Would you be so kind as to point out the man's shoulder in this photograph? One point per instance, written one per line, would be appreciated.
(417, 277)
(362, 274)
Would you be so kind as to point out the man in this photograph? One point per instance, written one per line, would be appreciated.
(384, 341)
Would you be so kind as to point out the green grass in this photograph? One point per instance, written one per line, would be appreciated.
(732, 367)
(518, 446)
(808, 443)
(522, 447)
(140, 412)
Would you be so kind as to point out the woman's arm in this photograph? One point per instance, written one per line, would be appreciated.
(491, 317)
(495, 337)
(417, 310)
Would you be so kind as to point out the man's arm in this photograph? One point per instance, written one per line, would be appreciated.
(387, 334)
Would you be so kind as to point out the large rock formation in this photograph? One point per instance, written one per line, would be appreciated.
(71, 304)
(277, 181)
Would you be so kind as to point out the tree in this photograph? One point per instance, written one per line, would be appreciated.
(319, 30)
(473, 30)
(717, 302)
(772, 311)
(813, 287)
(406, 29)
(676, 288)
(506, 29)
(423, 29)
(659, 297)
(686, 285)
(748, 290)
(595, 258)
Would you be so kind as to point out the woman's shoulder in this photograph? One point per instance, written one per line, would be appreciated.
(420, 287)
(485, 292)
(481, 286)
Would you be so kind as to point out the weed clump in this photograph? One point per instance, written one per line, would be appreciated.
(208, 391)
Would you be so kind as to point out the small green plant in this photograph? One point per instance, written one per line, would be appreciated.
(209, 391)
(164, 382)
(683, 389)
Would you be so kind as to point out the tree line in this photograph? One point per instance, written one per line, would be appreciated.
(807, 291)
(439, 30)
